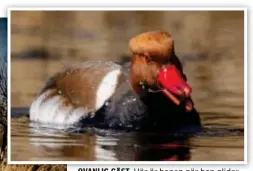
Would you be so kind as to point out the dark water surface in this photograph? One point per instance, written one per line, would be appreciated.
(210, 45)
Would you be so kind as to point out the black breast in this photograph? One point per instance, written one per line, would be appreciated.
(165, 115)
(125, 110)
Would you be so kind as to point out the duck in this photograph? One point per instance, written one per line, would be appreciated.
(150, 92)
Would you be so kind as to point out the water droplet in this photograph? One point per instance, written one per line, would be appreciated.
(107, 103)
(92, 114)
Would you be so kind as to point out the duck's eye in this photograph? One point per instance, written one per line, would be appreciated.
(148, 59)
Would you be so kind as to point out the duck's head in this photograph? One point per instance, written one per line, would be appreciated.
(155, 67)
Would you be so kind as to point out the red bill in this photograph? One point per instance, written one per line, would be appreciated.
(173, 83)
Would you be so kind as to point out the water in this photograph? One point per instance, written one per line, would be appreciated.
(210, 45)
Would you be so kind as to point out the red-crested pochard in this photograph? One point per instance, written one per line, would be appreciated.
(150, 93)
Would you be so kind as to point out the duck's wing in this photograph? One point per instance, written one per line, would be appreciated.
(75, 92)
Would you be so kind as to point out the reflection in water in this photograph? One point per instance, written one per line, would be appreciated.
(78, 144)
(210, 45)
(94, 144)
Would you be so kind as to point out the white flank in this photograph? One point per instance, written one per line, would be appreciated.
(34, 114)
(54, 111)
(107, 87)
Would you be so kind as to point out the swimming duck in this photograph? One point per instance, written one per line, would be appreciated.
(150, 92)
